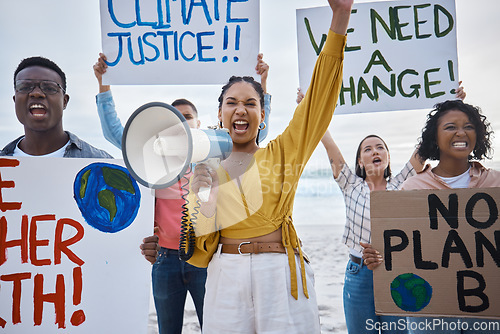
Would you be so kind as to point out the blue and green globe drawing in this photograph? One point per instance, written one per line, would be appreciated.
(411, 292)
(107, 196)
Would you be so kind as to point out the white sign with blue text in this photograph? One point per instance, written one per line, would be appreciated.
(400, 55)
(179, 41)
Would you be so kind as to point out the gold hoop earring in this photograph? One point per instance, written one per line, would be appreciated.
(262, 126)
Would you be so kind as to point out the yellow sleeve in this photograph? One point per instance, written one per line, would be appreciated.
(313, 115)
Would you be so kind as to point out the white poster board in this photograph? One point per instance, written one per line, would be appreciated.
(70, 231)
(400, 55)
(179, 42)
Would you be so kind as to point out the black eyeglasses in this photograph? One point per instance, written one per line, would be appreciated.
(48, 87)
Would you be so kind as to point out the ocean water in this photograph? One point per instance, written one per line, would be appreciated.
(318, 200)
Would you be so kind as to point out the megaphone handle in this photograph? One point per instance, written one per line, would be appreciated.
(204, 194)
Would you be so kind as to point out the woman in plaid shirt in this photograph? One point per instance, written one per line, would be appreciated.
(372, 172)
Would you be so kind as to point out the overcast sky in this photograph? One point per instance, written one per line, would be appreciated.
(68, 32)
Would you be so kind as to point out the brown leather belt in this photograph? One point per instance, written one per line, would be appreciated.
(254, 248)
(355, 259)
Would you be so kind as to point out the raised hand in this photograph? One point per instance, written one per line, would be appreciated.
(100, 68)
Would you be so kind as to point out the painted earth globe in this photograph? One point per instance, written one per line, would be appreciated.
(411, 292)
(107, 196)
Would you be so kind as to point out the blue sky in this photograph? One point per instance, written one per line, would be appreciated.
(68, 32)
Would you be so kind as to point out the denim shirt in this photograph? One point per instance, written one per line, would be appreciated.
(77, 148)
(112, 127)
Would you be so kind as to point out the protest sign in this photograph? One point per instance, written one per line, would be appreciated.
(70, 231)
(441, 252)
(400, 55)
(179, 42)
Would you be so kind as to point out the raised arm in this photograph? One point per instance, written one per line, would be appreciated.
(111, 125)
(262, 69)
(99, 69)
(334, 155)
(341, 13)
(332, 150)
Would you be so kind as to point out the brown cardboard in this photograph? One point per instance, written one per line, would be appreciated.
(403, 212)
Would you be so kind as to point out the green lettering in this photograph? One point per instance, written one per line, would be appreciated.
(428, 83)
(351, 48)
(377, 59)
(317, 48)
(364, 89)
(416, 87)
(374, 17)
(417, 22)
(451, 22)
(400, 25)
(351, 89)
(378, 84)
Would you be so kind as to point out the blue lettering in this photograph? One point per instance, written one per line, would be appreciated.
(216, 10)
(120, 46)
(226, 38)
(229, 19)
(237, 38)
(165, 34)
(157, 52)
(201, 47)
(183, 12)
(181, 45)
(203, 4)
(115, 20)
(131, 52)
(159, 23)
(138, 16)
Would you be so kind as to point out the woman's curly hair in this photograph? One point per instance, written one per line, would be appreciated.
(428, 146)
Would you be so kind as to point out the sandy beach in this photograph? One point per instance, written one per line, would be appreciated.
(328, 258)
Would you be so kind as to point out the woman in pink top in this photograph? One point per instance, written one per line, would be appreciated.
(456, 133)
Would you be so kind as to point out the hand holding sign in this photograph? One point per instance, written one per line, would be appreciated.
(371, 257)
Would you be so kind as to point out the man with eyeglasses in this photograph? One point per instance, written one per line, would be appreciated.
(40, 98)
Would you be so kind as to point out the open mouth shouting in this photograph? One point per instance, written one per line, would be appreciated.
(377, 161)
(240, 126)
(460, 144)
(37, 110)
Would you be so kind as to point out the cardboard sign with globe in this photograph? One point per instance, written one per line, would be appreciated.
(70, 231)
(441, 252)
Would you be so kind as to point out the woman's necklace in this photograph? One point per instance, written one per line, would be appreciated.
(240, 161)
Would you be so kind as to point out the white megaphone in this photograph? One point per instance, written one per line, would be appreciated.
(158, 146)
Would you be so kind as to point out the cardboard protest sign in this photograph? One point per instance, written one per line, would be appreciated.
(441, 252)
(179, 42)
(70, 231)
(400, 55)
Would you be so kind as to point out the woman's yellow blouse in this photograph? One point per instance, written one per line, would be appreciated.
(263, 201)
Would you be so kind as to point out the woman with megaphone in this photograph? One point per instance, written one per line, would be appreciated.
(259, 279)
(172, 278)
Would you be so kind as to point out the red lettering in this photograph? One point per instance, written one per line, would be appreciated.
(34, 243)
(57, 298)
(4, 206)
(16, 295)
(78, 317)
(23, 242)
(78, 285)
(61, 246)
